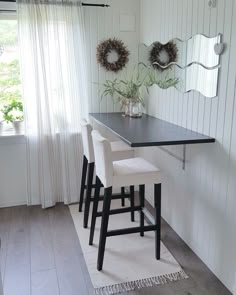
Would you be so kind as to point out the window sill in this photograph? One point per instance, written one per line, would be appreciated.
(10, 137)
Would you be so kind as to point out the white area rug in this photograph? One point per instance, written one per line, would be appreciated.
(129, 261)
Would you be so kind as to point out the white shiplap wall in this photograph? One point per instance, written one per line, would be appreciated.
(200, 202)
(100, 25)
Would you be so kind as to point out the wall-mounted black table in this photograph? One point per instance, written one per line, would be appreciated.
(148, 130)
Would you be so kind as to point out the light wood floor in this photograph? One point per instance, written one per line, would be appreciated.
(41, 255)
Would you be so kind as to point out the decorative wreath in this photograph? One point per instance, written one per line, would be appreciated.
(170, 48)
(106, 47)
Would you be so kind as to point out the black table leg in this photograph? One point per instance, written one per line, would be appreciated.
(141, 199)
(95, 209)
(157, 197)
(88, 195)
(132, 202)
(104, 226)
(123, 199)
(83, 180)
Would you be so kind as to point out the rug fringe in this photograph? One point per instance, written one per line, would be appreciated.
(143, 283)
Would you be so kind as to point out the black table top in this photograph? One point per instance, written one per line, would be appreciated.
(148, 130)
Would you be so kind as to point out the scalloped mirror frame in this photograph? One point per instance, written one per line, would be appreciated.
(201, 69)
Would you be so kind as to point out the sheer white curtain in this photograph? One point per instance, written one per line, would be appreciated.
(53, 68)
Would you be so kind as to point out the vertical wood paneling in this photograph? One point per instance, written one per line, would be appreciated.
(173, 91)
(195, 94)
(189, 34)
(179, 33)
(175, 96)
(214, 123)
(231, 201)
(199, 202)
(200, 100)
(219, 23)
(103, 23)
(109, 32)
(186, 29)
(101, 33)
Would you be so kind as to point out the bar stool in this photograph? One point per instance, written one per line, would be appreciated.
(120, 151)
(135, 171)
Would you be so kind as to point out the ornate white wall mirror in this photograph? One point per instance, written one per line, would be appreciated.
(197, 63)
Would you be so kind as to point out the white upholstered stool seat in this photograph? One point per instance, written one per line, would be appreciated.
(134, 171)
(127, 172)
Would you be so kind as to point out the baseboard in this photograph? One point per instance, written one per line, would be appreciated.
(13, 204)
(19, 203)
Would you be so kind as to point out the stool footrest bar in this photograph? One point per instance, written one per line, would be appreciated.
(120, 210)
(131, 230)
(114, 197)
(119, 196)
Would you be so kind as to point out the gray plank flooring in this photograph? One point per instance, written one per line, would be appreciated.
(41, 255)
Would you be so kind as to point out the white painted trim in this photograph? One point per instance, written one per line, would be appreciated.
(13, 204)
(12, 139)
(8, 5)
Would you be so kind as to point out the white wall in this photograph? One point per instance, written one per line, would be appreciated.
(100, 24)
(200, 202)
(13, 185)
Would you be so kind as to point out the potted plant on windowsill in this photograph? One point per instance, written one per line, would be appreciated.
(13, 112)
(130, 90)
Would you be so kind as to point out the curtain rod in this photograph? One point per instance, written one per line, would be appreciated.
(83, 4)
(95, 5)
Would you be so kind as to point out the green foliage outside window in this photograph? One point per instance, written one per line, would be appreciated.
(10, 84)
(8, 32)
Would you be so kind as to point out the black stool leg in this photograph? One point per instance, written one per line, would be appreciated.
(157, 196)
(104, 226)
(88, 195)
(95, 210)
(83, 180)
(132, 202)
(123, 199)
(141, 198)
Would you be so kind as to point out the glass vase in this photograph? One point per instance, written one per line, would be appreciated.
(135, 109)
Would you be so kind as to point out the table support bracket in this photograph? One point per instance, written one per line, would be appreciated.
(183, 159)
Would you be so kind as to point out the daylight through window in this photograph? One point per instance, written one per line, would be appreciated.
(11, 108)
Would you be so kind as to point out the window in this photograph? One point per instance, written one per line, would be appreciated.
(10, 84)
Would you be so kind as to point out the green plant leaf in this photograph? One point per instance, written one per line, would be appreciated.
(134, 85)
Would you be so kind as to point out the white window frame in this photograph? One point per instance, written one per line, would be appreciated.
(9, 136)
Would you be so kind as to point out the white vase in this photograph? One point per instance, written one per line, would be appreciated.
(18, 126)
